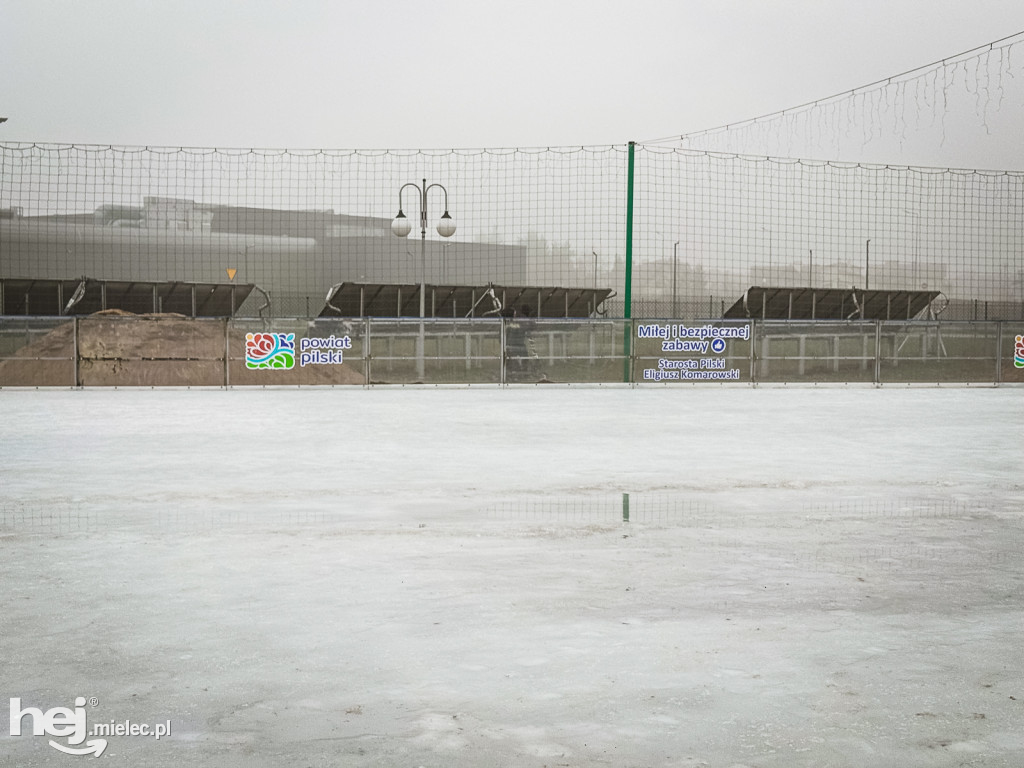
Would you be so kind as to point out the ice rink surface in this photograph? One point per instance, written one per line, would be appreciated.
(444, 577)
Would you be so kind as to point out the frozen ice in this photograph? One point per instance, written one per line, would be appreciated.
(444, 577)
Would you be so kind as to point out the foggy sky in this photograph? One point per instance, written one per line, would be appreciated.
(461, 73)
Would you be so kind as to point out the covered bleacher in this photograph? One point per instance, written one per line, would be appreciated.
(403, 300)
(768, 303)
(83, 296)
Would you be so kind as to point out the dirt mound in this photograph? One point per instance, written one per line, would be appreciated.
(117, 348)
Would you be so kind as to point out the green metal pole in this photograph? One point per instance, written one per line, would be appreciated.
(628, 312)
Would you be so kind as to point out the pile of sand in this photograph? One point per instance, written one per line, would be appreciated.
(117, 348)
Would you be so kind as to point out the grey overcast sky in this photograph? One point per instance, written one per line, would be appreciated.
(450, 73)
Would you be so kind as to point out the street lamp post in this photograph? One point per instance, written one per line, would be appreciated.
(401, 227)
(917, 242)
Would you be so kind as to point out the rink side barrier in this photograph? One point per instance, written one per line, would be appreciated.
(161, 350)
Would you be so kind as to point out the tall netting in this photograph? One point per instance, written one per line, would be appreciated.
(707, 225)
(297, 222)
(711, 225)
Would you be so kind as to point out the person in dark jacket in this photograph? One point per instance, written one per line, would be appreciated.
(518, 345)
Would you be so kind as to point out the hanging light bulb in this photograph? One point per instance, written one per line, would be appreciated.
(401, 226)
(445, 227)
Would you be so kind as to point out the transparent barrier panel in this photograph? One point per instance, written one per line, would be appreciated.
(815, 352)
(167, 350)
(577, 351)
(929, 352)
(160, 350)
(160, 337)
(37, 352)
(457, 351)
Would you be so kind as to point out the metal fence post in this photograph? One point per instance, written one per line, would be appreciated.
(878, 353)
(227, 352)
(999, 352)
(74, 353)
(502, 368)
(753, 355)
(367, 349)
(627, 374)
